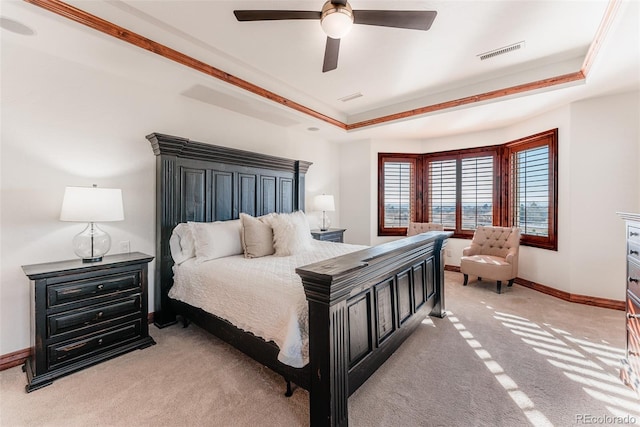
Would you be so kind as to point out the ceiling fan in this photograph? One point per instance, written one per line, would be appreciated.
(336, 19)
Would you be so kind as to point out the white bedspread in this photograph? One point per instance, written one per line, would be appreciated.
(260, 295)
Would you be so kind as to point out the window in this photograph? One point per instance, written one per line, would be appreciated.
(460, 190)
(442, 192)
(476, 188)
(514, 184)
(533, 165)
(397, 192)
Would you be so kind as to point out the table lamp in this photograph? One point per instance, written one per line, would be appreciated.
(92, 205)
(325, 203)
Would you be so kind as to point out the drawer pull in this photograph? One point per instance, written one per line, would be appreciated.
(632, 252)
(100, 341)
(633, 279)
(100, 287)
(633, 316)
(634, 234)
(74, 347)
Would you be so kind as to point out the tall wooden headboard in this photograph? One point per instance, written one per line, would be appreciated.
(203, 182)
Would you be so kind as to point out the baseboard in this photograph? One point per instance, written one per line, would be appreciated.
(19, 357)
(579, 299)
(14, 359)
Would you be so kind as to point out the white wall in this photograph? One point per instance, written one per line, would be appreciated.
(67, 124)
(604, 176)
(599, 145)
(355, 199)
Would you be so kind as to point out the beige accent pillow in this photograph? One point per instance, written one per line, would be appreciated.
(257, 236)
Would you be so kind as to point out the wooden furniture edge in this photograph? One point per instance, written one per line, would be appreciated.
(563, 295)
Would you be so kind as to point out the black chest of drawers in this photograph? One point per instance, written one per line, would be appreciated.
(85, 313)
(630, 372)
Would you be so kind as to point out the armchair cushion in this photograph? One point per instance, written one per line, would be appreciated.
(488, 266)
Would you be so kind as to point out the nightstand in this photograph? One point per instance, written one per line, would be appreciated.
(330, 235)
(85, 313)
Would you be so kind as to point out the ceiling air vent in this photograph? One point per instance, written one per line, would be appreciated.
(350, 97)
(501, 51)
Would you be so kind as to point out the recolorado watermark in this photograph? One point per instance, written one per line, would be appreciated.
(605, 419)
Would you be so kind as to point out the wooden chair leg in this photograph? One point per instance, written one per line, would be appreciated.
(466, 280)
(499, 287)
(510, 284)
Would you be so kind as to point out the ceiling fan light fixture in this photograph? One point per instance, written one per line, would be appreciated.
(336, 20)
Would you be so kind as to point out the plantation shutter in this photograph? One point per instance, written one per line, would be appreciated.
(476, 192)
(529, 189)
(399, 193)
(442, 192)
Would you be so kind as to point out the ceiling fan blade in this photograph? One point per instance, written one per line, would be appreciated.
(274, 15)
(331, 55)
(410, 19)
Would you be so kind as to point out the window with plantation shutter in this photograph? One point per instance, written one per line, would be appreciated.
(442, 191)
(398, 196)
(460, 191)
(532, 188)
(513, 184)
(476, 191)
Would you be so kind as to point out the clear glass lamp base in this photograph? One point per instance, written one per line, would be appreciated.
(92, 243)
(326, 222)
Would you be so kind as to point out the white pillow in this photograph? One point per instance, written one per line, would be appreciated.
(257, 236)
(181, 244)
(216, 239)
(291, 233)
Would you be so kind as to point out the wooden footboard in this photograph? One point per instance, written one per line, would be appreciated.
(371, 301)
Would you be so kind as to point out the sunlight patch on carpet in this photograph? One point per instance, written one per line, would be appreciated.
(588, 364)
(630, 406)
(601, 375)
(520, 398)
(550, 340)
(606, 387)
(427, 321)
(527, 329)
(559, 349)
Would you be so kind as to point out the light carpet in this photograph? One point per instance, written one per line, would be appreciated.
(515, 359)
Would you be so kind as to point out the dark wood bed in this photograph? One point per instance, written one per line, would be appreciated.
(362, 305)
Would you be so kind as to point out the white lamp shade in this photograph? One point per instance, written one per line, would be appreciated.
(92, 204)
(324, 202)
